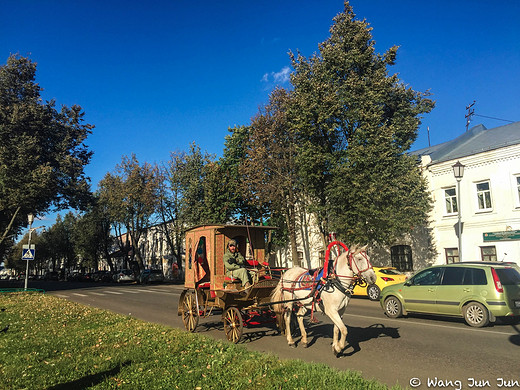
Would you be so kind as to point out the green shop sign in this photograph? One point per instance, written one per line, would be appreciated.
(502, 236)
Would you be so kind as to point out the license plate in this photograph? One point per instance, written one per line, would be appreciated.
(517, 303)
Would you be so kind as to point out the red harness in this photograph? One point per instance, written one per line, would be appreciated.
(306, 282)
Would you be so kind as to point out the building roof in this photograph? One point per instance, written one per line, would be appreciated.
(476, 140)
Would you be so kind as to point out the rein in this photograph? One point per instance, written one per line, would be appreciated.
(329, 280)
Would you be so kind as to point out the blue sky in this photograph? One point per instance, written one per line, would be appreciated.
(155, 76)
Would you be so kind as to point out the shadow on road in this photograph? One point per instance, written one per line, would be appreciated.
(355, 336)
(515, 339)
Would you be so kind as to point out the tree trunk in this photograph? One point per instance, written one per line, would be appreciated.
(291, 227)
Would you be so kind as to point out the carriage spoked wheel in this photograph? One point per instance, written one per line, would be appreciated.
(233, 324)
(190, 312)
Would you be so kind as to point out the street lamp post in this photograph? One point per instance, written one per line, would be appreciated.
(458, 172)
(30, 218)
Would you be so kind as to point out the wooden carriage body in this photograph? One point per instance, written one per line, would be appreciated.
(205, 248)
(207, 287)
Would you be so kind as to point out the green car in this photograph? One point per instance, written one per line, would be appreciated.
(478, 291)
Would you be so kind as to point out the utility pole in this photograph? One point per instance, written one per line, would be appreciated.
(470, 113)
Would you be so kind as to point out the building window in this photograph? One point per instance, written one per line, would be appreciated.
(450, 197)
(300, 257)
(484, 196)
(518, 188)
(488, 253)
(401, 256)
(452, 255)
(321, 258)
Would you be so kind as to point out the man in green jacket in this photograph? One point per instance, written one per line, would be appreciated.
(235, 264)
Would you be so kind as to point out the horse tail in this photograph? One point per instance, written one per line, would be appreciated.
(277, 297)
(277, 306)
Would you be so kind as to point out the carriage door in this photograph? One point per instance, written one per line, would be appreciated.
(200, 263)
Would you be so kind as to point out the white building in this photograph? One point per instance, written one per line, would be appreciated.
(489, 195)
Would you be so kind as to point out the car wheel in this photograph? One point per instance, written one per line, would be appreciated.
(476, 314)
(373, 292)
(393, 307)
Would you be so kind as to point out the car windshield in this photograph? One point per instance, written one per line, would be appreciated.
(508, 276)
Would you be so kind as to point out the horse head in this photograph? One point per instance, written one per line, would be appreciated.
(359, 263)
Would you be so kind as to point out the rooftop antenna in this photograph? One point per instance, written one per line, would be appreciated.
(470, 113)
(428, 128)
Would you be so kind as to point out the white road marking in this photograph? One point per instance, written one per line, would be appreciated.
(113, 292)
(155, 291)
(96, 293)
(404, 322)
(80, 295)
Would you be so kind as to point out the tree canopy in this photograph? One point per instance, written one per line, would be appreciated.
(356, 123)
(132, 195)
(42, 150)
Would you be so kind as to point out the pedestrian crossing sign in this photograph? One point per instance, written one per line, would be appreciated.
(28, 254)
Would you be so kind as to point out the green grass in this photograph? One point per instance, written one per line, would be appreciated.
(52, 343)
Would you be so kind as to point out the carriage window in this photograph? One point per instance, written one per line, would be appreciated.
(202, 272)
(401, 256)
(201, 250)
(190, 259)
(243, 246)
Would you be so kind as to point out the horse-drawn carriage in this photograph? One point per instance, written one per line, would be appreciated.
(273, 297)
(207, 287)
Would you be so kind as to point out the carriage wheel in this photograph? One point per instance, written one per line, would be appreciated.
(190, 312)
(233, 324)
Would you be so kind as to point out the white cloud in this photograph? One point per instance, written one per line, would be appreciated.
(280, 77)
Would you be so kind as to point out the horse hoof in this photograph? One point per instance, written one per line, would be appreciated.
(292, 345)
(305, 345)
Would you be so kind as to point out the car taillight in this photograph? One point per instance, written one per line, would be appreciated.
(387, 279)
(496, 279)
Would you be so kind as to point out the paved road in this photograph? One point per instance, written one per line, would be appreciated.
(416, 348)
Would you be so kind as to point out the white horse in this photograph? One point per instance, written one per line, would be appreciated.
(328, 291)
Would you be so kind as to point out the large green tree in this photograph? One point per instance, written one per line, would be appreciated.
(269, 171)
(356, 123)
(132, 194)
(42, 150)
(203, 188)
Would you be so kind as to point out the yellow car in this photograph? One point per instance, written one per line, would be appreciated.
(386, 276)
